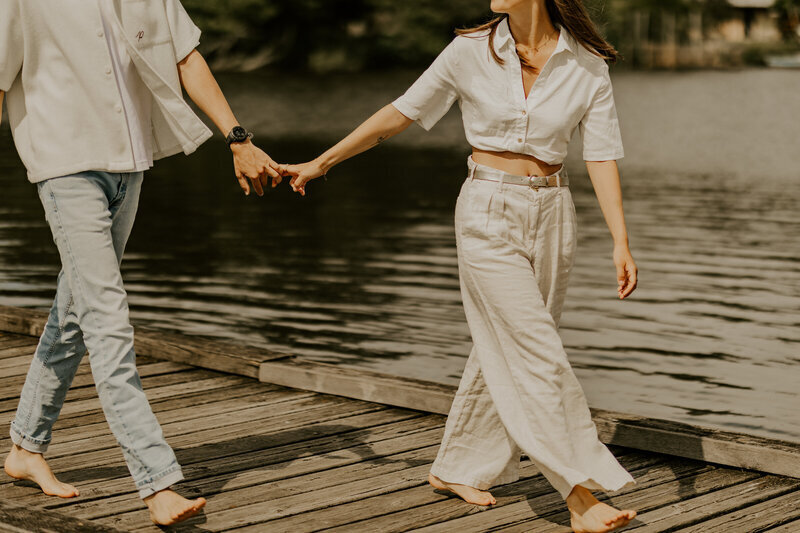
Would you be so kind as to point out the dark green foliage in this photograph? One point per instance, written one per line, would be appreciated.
(329, 34)
(353, 35)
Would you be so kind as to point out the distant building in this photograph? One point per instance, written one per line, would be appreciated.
(755, 22)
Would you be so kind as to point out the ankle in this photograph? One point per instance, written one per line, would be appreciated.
(19, 451)
(156, 495)
(580, 498)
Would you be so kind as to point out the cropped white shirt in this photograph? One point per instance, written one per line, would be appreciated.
(572, 90)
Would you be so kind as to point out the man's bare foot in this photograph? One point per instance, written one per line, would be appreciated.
(168, 507)
(465, 492)
(22, 464)
(587, 515)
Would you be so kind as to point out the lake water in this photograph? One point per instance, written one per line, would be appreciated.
(363, 270)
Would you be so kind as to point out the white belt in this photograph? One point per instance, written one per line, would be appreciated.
(481, 172)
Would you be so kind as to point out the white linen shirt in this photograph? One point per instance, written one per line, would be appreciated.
(64, 105)
(572, 90)
(136, 100)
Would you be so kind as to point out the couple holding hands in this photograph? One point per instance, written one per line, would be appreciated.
(94, 96)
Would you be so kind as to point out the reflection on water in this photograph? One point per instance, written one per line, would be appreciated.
(363, 271)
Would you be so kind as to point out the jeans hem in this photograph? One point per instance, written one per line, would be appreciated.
(161, 481)
(28, 443)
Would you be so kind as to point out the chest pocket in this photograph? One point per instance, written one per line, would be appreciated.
(145, 22)
(489, 108)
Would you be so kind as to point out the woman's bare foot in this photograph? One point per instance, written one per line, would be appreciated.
(168, 507)
(22, 464)
(465, 492)
(587, 515)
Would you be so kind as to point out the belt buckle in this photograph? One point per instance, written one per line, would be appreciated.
(531, 181)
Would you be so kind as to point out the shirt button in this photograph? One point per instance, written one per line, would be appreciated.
(100, 33)
(118, 109)
(519, 139)
(108, 71)
(524, 112)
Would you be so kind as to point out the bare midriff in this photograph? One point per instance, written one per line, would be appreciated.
(516, 164)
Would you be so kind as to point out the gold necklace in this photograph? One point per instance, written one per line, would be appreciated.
(539, 45)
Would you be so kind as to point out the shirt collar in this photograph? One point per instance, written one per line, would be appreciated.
(503, 37)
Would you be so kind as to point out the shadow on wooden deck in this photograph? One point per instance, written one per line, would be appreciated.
(272, 458)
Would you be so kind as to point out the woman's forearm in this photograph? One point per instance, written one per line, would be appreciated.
(386, 123)
(605, 179)
(203, 89)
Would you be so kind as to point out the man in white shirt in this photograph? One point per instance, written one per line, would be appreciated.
(94, 97)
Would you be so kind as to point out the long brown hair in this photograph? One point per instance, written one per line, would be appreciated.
(568, 13)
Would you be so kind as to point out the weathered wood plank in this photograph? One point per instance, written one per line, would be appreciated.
(154, 382)
(25, 519)
(210, 443)
(14, 361)
(662, 436)
(788, 527)
(772, 512)
(292, 491)
(657, 486)
(228, 358)
(302, 433)
(22, 321)
(705, 444)
(216, 426)
(721, 502)
(195, 416)
(360, 384)
(172, 403)
(418, 507)
(91, 407)
(256, 513)
(646, 500)
(16, 347)
(224, 357)
(211, 475)
(11, 386)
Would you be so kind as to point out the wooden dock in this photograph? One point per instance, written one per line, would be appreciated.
(349, 451)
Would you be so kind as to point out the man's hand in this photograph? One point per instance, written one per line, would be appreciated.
(302, 174)
(251, 163)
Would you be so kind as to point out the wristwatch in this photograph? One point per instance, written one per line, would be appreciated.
(238, 135)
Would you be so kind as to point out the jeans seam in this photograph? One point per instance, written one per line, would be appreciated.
(59, 332)
(92, 312)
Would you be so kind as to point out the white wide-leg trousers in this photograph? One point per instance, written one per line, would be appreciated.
(518, 393)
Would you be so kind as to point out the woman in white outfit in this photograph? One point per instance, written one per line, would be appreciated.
(524, 82)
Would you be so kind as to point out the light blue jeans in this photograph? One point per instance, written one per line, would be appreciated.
(91, 215)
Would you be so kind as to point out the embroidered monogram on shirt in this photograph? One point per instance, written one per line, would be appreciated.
(140, 35)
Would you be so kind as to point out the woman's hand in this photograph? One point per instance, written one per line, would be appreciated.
(626, 271)
(302, 174)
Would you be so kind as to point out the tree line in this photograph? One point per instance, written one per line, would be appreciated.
(357, 35)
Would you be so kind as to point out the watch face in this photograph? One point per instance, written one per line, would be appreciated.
(239, 133)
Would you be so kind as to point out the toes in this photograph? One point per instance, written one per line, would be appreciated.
(484, 499)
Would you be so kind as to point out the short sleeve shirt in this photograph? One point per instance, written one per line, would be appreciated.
(65, 109)
(573, 90)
